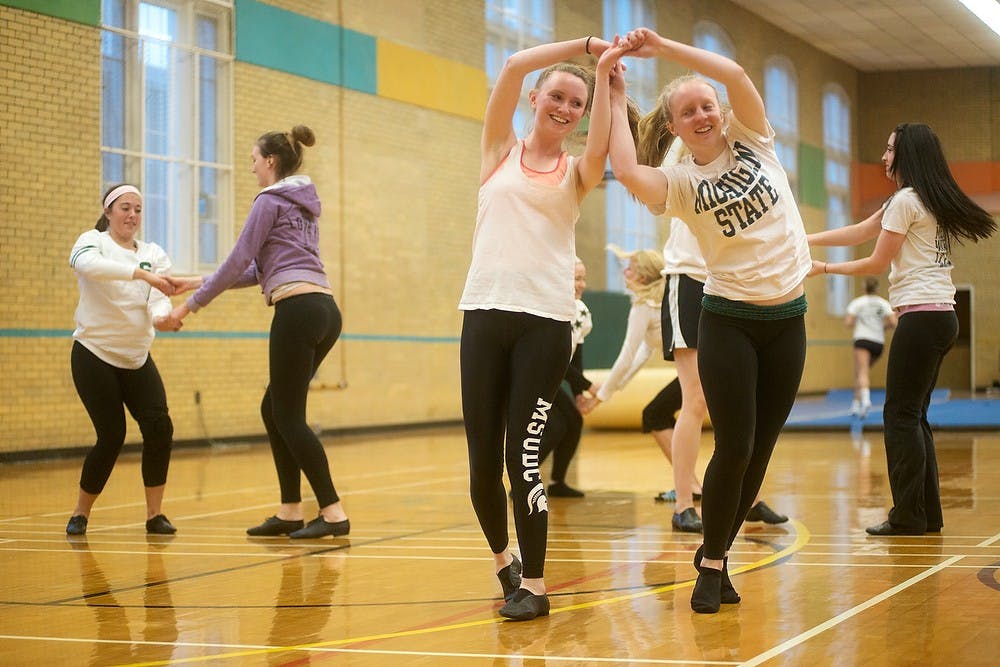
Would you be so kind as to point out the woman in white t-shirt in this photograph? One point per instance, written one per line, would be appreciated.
(914, 231)
(869, 315)
(734, 195)
(123, 297)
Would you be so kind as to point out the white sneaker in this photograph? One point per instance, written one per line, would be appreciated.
(855, 408)
(865, 407)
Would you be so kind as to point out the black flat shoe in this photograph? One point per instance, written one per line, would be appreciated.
(707, 594)
(728, 591)
(318, 527)
(525, 606)
(687, 521)
(510, 578)
(273, 526)
(160, 525)
(563, 490)
(886, 528)
(761, 512)
(77, 525)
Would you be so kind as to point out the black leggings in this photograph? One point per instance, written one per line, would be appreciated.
(512, 365)
(661, 412)
(106, 391)
(303, 331)
(919, 344)
(562, 435)
(750, 372)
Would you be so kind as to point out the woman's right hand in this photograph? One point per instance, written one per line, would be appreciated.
(185, 284)
(641, 42)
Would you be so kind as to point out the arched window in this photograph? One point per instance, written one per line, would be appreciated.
(837, 176)
(781, 97)
(711, 37)
(629, 225)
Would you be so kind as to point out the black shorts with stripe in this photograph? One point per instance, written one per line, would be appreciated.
(680, 313)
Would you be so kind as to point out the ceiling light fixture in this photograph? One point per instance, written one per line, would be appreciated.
(988, 11)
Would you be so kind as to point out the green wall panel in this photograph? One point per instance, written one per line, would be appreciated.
(812, 182)
(610, 313)
(296, 44)
(81, 11)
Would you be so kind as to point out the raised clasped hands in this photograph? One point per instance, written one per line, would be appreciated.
(637, 43)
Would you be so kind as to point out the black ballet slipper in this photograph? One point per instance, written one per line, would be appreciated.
(525, 606)
(510, 578)
(160, 525)
(728, 593)
(273, 526)
(319, 527)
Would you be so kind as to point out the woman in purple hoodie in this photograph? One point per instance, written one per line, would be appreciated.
(278, 249)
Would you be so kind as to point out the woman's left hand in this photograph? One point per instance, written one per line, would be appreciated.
(179, 312)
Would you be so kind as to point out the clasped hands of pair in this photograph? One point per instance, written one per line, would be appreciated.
(172, 286)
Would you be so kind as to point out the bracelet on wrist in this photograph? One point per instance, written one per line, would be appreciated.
(586, 45)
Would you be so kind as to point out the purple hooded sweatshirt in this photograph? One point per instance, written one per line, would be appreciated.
(279, 244)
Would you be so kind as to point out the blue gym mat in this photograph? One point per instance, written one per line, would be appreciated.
(833, 412)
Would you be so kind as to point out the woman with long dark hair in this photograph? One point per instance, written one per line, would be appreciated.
(914, 231)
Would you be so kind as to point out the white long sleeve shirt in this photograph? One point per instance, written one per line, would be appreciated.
(642, 336)
(114, 318)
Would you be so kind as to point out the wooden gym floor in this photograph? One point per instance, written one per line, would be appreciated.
(414, 585)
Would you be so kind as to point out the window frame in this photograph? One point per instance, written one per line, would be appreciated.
(180, 234)
(837, 153)
(784, 121)
(628, 224)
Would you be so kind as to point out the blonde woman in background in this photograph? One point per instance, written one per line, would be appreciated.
(643, 335)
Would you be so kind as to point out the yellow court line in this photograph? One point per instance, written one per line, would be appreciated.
(802, 536)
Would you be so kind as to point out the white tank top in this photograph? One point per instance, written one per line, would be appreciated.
(524, 245)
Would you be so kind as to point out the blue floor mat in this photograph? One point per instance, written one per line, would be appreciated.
(833, 412)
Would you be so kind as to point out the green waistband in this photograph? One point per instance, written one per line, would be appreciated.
(748, 311)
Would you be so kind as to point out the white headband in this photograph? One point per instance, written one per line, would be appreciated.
(118, 192)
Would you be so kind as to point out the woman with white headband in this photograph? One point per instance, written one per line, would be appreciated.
(123, 297)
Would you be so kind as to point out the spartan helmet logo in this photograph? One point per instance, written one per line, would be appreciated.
(537, 499)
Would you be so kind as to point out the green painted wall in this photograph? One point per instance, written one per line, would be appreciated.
(81, 11)
(812, 182)
(610, 313)
(296, 44)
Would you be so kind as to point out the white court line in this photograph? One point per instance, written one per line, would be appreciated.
(857, 609)
(321, 649)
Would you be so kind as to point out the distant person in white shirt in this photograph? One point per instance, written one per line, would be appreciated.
(870, 315)
(913, 233)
